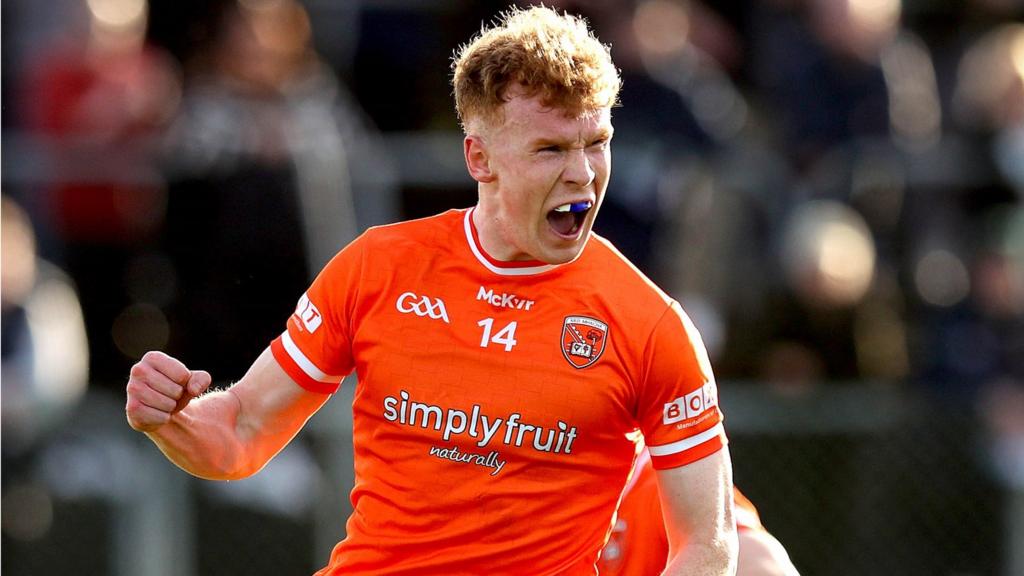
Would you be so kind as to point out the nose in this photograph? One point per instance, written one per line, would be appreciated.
(578, 170)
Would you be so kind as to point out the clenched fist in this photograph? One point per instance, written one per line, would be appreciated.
(158, 387)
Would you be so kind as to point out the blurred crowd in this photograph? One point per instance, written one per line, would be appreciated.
(834, 189)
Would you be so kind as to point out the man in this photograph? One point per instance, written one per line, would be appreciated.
(638, 546)
(506, 356)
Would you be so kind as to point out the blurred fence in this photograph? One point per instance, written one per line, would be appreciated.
(868, 480)
(855, 480)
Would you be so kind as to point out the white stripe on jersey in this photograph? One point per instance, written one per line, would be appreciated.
(305, 364)
(487, 264)
(687, 443)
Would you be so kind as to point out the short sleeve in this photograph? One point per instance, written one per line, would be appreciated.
(315, 349)
(678, 402)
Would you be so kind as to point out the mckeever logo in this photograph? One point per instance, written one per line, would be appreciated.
(504, 299)
(422, 306)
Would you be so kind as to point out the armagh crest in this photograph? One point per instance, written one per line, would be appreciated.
(583, 340)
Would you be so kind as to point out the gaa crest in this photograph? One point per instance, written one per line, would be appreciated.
(583, 340)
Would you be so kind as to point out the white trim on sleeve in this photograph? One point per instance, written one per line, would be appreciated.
(305, 364)
(687, 443)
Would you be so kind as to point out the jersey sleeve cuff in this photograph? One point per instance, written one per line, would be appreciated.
(300, 368)
(688, 450)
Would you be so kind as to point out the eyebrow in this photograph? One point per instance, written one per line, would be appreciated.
(601, 134)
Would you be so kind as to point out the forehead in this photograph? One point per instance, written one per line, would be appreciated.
(530, 117)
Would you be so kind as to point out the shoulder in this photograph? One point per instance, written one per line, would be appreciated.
(384, 250)
(616, 292)
(622, 279)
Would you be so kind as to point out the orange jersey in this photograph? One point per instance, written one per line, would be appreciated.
(638, 545)
(494, 399)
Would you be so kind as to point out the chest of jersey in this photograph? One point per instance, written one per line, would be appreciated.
(486, 371)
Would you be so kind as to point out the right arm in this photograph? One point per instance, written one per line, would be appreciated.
(225, 435)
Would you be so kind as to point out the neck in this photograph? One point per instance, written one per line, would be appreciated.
(491, 236)
(488, 232)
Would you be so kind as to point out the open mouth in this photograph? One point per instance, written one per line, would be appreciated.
(567, 219)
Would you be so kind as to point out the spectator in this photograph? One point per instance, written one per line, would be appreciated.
(45, 352)
(271, 167)
(96, 101)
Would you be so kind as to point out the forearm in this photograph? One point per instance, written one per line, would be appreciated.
(225, 435)
(700, 522)
(203, 438)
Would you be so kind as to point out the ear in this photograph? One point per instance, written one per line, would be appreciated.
(477, 160)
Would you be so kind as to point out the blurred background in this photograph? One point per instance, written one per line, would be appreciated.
(832, 188)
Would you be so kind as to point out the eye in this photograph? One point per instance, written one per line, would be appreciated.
(599, 144)
(551, 148)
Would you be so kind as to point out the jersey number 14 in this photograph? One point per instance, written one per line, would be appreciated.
(505, 337)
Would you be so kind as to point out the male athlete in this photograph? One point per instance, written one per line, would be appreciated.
(638, 546)
(506, 356)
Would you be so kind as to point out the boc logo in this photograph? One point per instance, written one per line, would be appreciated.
(409, 303)
(692, 405)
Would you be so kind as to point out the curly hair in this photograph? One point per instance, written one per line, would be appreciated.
(545, 53)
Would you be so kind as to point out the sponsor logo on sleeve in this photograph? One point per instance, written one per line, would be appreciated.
(691, 405)
(307, 314)
(424, 306)
(583, 340)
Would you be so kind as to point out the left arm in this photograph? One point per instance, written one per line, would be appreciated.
(697, 506)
